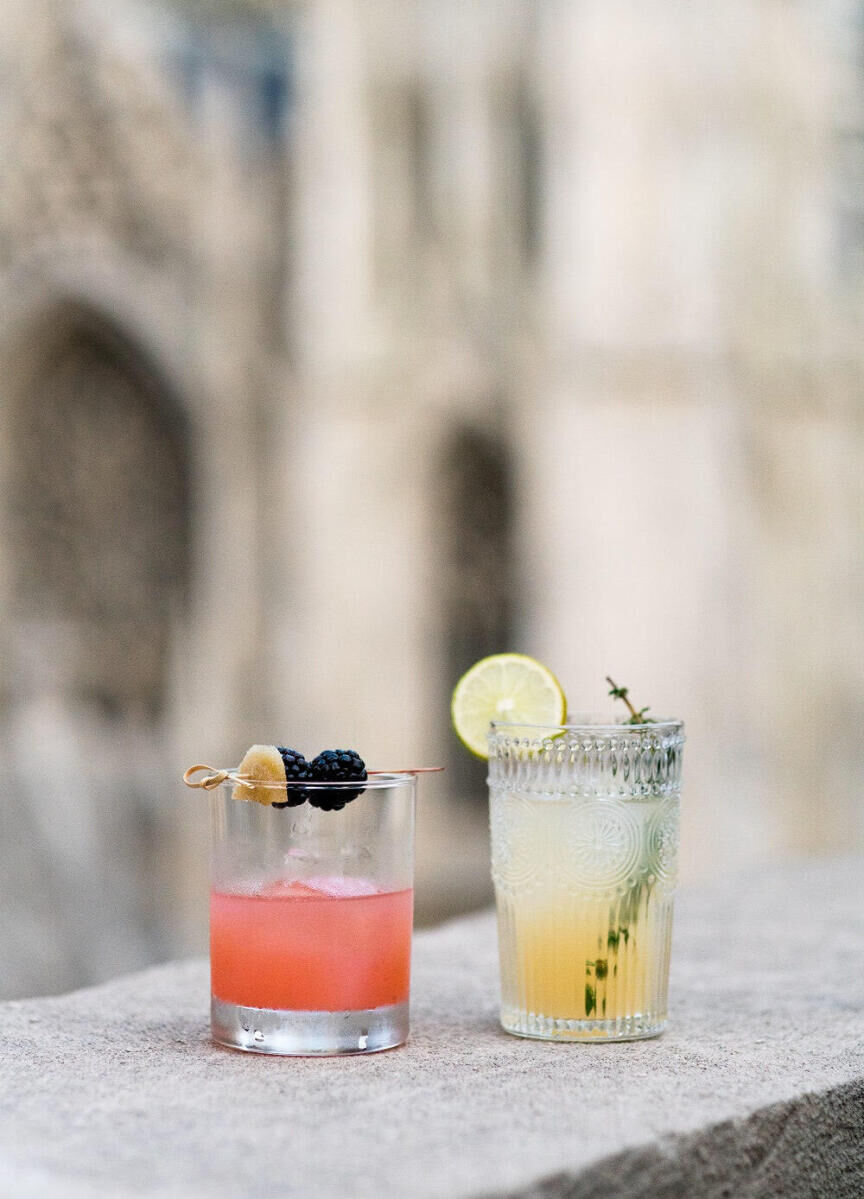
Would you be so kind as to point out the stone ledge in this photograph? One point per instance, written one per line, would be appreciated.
(756, 1089)
(808, 1147)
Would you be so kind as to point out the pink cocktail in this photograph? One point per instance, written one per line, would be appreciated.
(310, 918)
(325, 945)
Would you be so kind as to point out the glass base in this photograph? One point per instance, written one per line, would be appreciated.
(308, 1034)
(548, 1028)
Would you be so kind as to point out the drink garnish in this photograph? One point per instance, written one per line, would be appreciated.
(637, 716)
(264, 767)
(268, 764)
(336, 766)
(504, 687)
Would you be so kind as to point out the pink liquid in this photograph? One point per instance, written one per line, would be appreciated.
(333, 945)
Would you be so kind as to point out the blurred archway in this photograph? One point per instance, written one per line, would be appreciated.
(97, 537)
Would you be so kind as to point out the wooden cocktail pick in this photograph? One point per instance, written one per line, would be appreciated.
(216, 776)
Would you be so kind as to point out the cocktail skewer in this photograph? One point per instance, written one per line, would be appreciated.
(218, 776)
(411, 770)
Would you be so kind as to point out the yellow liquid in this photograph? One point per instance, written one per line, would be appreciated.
(570, 959)
(584, 946)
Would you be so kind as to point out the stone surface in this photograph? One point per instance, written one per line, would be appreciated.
(757, 1089)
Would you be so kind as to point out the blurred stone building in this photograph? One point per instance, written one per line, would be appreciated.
(344, 342)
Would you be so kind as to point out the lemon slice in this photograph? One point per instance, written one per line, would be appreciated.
(509, 687)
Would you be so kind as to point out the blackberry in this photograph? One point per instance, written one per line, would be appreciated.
(297, 769)
(336, 766)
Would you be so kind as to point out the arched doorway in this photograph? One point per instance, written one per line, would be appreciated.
(99, 513)
(97, 549)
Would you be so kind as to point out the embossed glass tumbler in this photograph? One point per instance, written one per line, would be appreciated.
(310, 919)
(584, 823)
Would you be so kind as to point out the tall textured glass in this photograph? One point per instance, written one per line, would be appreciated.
(584, 822)
(310, 919)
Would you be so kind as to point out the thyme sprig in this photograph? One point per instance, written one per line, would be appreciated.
(637, 716)
(623, 922)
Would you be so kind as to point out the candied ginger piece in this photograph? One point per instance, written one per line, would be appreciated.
(263, 764)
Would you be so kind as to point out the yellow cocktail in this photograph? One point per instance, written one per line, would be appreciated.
(584, 827)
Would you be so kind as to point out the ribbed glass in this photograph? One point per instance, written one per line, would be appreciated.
(584, 824)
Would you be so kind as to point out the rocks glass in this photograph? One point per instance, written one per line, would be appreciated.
(584, 821)
(310, 919)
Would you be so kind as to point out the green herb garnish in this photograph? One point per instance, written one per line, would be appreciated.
(618, 935)
(637, 716)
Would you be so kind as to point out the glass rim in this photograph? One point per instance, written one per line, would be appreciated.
(377, 782)
(591, 724)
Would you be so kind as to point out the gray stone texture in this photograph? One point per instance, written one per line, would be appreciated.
(756, 1089)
